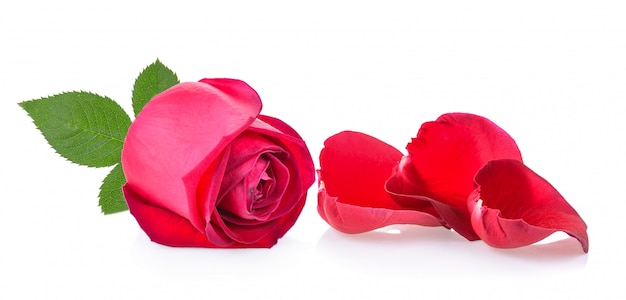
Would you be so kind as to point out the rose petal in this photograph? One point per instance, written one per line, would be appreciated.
(444, 157)
(350, 218)
(178, 134)
(293, 173)
(207, 190)
(276, 125)
(296, 159)
(269, 205)
(163, 226)
(282, 134)
(261, 234)
(513, 207)
(447, 154)
(352, 198)
(167, 228)
(244, 200)
(253, 156)
(401, 186)
(244, 234)
(247, 146)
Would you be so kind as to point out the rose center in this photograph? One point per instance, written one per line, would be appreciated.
(257, 199)
(252, 191)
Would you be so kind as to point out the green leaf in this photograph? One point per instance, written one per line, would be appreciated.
(85, 128)
(111, 195)
(154, 79)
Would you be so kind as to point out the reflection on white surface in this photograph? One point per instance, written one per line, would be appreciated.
(424, 257)
(440, 251)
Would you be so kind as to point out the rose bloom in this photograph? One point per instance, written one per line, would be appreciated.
(205, 169)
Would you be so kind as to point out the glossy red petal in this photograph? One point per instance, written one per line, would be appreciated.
(178, 134)
(512, 206)
(444, 157)
(401, 186)
(352, 197)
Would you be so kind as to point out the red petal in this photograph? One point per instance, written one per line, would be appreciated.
(352, 198)
(513, 207)
(444, 157)
(349, 218)
(401, 185)
(163, 226)
(178, 135)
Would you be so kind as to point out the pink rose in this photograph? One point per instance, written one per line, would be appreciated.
(204, 169)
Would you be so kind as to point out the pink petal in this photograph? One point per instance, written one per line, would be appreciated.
(512, 206)
(178, 135)
(443, 159)
(352, 198)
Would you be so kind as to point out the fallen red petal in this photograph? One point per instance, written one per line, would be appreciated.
(442, 161)
(352, 197)
(350, 218)
(512, 206)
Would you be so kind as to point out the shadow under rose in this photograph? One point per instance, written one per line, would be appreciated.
(218, 265)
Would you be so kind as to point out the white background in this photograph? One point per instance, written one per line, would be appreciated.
(551, 73)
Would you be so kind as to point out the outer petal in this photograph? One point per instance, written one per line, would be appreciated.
(163, 226)
(178, 135)
(444, 157)
(352, 198)
(513, 206)
(167, 228)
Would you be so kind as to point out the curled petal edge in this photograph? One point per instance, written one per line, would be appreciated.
(501, 232)
(354, 219)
